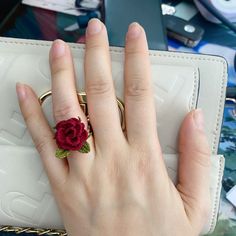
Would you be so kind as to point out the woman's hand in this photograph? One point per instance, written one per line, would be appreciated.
(121, 187)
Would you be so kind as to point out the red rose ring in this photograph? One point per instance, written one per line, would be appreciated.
(71, 135)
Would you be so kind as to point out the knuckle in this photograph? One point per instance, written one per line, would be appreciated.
(199, 155)
(133, 51)
(199, 205)
(29, 117)
(63, 111)
(202, 158)
(94, 46)
(61, 65)
(142, 164)
(40, 145)
(143, 167)
(114, 170)
(59, 70)
(41, 140)
(99, 86)
(136, 87)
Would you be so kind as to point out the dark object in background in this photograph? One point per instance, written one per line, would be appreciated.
(187, 33)
(215, 12)
(84, 19)
(87, 5)
(120, 13)
(7, 9)
(231, 92)
(228, 183)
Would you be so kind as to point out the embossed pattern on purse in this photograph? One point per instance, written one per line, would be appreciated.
(181, 82)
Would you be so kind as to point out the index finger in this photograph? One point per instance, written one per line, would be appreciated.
(41, 133)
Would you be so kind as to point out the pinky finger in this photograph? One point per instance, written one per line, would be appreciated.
(41, 133)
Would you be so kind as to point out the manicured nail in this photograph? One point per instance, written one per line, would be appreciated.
(21, 91)
(134, 31)
(58, 49)
(199, 119)
(94, 27)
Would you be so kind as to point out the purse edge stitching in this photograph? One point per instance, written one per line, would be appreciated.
(213, 220)
(195, 88)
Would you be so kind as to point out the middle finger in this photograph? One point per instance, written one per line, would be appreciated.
(102, 105)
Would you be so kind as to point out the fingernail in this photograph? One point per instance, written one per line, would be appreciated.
(58, 49)
(199, 119)
(134, 31)
(94, 27)
(21, 91)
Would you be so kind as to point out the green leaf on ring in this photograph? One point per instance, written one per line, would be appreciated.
(60, 153)
(85, 148)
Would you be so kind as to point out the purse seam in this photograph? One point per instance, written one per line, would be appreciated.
(221, 166)
(194, 97)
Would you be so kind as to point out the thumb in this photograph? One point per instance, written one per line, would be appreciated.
(194, 167)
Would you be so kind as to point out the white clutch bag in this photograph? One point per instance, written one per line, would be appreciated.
(181, 83)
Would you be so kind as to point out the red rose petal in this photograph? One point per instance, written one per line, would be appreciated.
(71, 134)
(84, 135)
(81, 128)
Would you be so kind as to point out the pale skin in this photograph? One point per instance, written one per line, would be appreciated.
(121, 187)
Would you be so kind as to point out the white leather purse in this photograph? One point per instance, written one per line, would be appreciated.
(181, 83)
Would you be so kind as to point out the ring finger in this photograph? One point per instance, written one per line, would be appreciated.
(64, 97)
